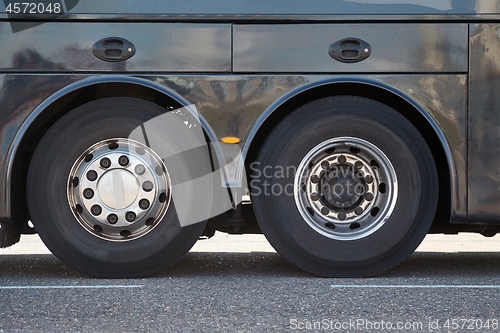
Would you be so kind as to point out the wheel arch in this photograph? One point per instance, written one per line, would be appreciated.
(60, 103)
(375, 90)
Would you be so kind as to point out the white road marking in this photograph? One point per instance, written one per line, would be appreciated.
(71, 287)
(406, 286)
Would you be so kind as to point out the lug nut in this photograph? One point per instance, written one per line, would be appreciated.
(96, 210)
(91, 175)
(315, 179)
(325, 190)
(105, 163)
(144, 204)
(147, 186)
(342, 216)
(113, 145)
(88, 158)
(112, 219)
(359, 189)
(358, 211)
(342, 159)
(315, 196)
(123, 160)
(130, 216)
(368, 179)
(369, 196)
(325, 211)
(88, 193)
(139, 169)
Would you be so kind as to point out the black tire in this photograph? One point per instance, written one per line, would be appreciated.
(332, 249)
(57, 223)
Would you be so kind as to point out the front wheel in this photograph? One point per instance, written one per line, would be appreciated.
(101, 197)
(345, 187)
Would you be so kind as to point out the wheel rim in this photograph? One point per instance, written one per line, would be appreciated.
(345, 188)
(119, 189)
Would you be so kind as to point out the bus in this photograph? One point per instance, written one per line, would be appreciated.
(345, 131)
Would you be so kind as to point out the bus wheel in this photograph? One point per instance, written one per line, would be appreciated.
(101, 200)
(345, 187)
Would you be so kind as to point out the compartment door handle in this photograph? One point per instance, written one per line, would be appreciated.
(113, 49)
(350, 50)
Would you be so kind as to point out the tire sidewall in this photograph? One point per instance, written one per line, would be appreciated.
(377, 124)
(47, 183)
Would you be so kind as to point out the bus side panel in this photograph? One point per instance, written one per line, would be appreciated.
(233, 105)
(159, 47)
(395, 48)
(484, 124)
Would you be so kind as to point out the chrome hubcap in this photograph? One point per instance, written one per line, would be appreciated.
(345, 188)
(119, 189)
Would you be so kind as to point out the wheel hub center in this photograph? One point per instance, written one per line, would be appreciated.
(345, 187)
(341, 189)
(118, 189)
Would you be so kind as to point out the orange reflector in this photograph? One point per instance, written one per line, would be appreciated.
(231, 139)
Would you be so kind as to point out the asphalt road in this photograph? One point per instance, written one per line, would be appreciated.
(239, 284)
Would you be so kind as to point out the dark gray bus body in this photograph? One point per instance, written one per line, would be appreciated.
(246, 64)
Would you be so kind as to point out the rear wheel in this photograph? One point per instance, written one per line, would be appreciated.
(102, 201)
(353, 189)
